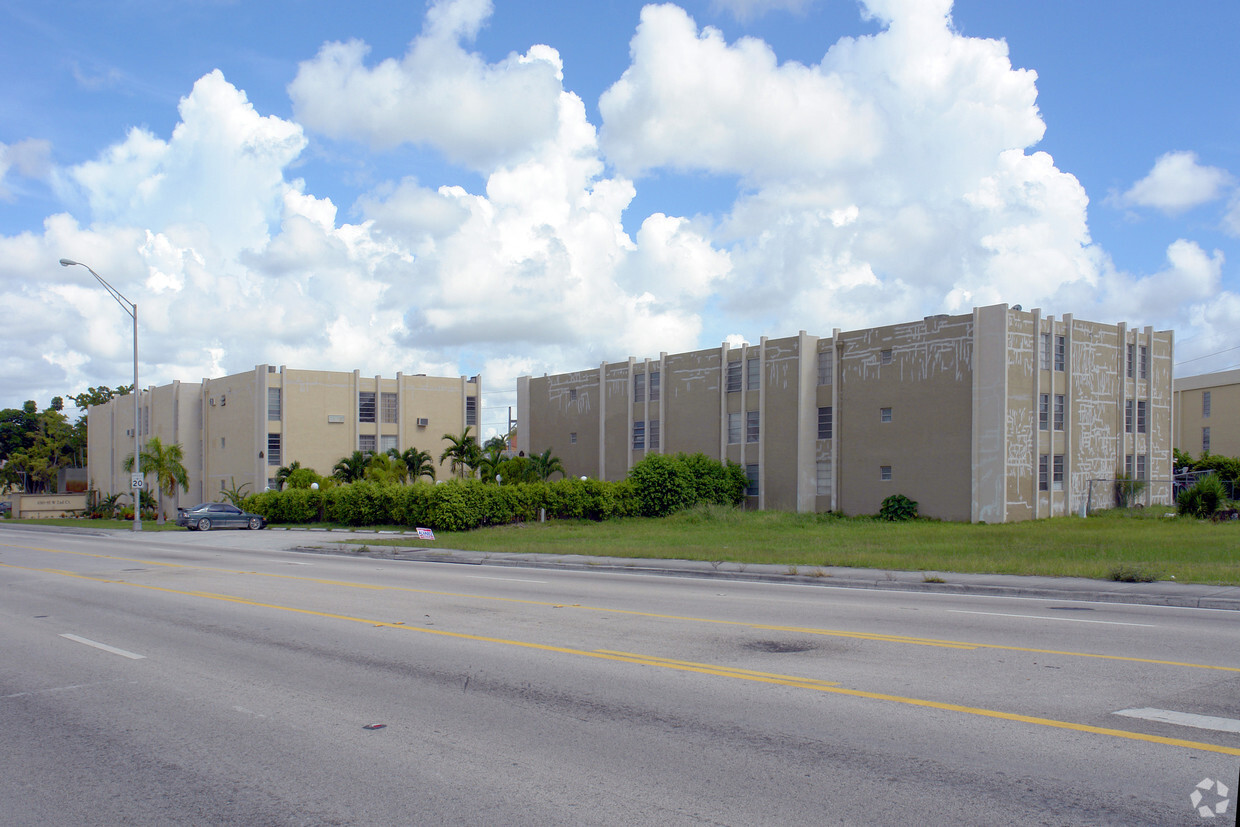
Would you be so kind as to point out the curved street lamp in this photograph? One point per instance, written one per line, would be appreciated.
(136, 479)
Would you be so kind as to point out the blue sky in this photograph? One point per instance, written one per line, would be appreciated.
(470, 186)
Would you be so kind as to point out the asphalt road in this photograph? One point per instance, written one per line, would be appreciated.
(210, 679)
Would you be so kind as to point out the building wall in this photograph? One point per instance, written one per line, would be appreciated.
(1224, 413)
(227, 429)
(963, 435)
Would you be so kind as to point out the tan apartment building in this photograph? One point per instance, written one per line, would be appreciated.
(993, 416)
(239, 429)
(1207, 414)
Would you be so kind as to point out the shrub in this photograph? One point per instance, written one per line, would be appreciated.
(1127, 489)
(1203, 499)
(714, 481)
(661, 485)
(898, 507)
(456, 505)
(302, 478)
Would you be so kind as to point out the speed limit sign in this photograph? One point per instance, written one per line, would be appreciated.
(136, 482)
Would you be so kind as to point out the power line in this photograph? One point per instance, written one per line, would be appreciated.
(1207, 356)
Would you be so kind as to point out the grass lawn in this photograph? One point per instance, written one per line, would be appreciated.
(81, 522)
(1139, 544)
(1115, 545)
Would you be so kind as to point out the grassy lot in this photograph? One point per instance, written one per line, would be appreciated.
(1110, 545)
(81, 522)
(1119, 545)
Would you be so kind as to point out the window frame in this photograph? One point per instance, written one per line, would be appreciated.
(275, 451)
(736, 427)
(1044, 412)
(885, 415)
(1060, 412)
(1044, 472)
(826, 422)
(734, 376)
(639, 387)
(367, 406)
(275, 404)
(1061, 353)
(389, 408)
(753, 427)
(1142, 416)
(639, 435)
(1205, 404)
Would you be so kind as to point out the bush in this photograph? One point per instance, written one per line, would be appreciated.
(1203, 499)
(898, 507)
(714, 481)
(661, 485)
(1127, 489)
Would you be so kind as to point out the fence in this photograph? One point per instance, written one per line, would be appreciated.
(1130, 493)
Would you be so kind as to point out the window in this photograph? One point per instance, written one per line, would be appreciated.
(1205, 404)
(1143, 366)
(751, 426)
(734, 428)
(1140, 466)
(1141, 411)
(823, 478)
(884, 473)
(366, 443)
(734, 376)
(639, 387)
(272, 484)
(654, 435)
(1044, 412)
(1128, 416)
(1046, 351)
(1061, 353)
(273, 404)
(824, 422)
(654, 386)
(753, 374)
(639, 435)
(1132, 360)
(751, 477)
(572, 394)
(389, 404)
(825, 363)
(1057, 473)
(221, 485)
(471, 410)
(885, 356)
(366, 406)
(387, 442)
(1059, 412)
(1205, 440)
(1044, 468)
(273, 449)
(222, 443)
(1128, 465)
(884, 414)
(572, 438)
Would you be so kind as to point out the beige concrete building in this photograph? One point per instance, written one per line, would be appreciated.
(998, 415)
(241, 428)
(1207, 414)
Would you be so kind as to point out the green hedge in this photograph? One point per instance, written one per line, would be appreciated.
(657, 485)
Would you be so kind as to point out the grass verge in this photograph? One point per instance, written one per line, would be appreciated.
(1127, 546)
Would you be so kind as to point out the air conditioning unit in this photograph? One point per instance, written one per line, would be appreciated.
(423, 422)
(335, 419)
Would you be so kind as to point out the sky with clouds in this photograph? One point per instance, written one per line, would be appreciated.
(484, 186)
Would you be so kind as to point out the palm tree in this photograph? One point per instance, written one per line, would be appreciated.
(166, 463)
(462, 451)
(351, 468)
(418, 463)
(383, 469)
(491, 459)
(284, 473)
(545, 465)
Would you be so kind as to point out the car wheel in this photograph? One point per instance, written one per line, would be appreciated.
(204, 524)
(255, 524)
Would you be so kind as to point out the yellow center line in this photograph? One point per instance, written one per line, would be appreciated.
(683, 666)
(870, 636)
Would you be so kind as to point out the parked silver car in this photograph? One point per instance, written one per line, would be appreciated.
(206, 516)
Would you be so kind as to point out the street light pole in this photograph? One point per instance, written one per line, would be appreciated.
(129, 307)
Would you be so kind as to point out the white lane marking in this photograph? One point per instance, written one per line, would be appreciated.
(1044, 617)
(52, 689)
(298, 563)
(1170, 716)
(105, 647)
(506, 579)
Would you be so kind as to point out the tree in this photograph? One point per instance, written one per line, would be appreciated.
(284, 472)
(418, 464)
(490, 460)
(383, 469)
(166, 462)
(545, 465)
(351, 468)
(462, 452)
(234, 493)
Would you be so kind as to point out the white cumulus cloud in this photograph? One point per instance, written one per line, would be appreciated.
(1178, 182)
